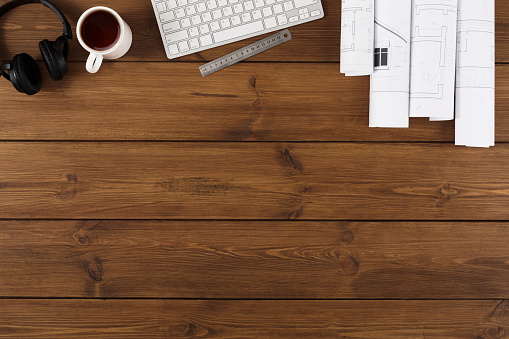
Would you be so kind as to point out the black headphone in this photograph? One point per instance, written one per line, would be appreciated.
(23, 70)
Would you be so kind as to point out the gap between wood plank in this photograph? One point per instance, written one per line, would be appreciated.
(250, 299)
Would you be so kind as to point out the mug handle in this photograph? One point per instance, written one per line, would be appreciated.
(94, 62)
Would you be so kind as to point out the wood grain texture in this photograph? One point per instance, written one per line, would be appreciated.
(253, 181)
(159, 272)
(248, 102)
(249, 259)
(316, 41)
(27, 26)
(253, 319)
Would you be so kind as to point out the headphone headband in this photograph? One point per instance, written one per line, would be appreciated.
(17, 3)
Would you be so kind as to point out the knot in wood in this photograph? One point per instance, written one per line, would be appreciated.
(347, 237)
(350, 266)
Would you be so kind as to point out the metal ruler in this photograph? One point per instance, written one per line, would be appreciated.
(246, 52)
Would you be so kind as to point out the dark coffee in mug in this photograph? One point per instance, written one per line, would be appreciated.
(100, 30)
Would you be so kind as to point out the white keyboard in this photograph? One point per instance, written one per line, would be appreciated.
(190, 26)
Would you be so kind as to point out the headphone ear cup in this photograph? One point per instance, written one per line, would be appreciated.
(25, 74)
(54, 59)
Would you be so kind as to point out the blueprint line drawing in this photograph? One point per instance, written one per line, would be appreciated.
(390, 82)
(426, 58)
(433, 58)
(475, 74)
(357, 36)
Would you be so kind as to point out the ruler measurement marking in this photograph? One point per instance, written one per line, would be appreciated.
(245, 52)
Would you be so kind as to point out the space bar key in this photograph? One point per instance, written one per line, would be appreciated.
(238, 31)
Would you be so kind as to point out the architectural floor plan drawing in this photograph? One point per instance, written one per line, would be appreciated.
(390, 82)
(433, 61)
(475, 74)
(357, 34)
(428, 58)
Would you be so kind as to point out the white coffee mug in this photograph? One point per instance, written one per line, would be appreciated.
(118, 50)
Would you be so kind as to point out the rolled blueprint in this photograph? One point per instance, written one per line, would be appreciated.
(475, 74)
(357, 35)
(390, 82)
(433, 58)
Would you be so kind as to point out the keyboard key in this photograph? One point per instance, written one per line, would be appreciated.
(234, 2)
(238, 31)
(167, 16)
(217, 14)
(179, 13)
(288, 6)
(259, 3)
(267, 11)
(278, 9)
(173, 49)
(201, 7)
(206, 17)
(227, 11)
(302, 3)
(315, 13)
(183, 46)
(293, 19)
(182, 2)
(194, 31)
(282, 20)
(225, 23)
(304, 16)
(186, 22)
(191, 10)
(248, 5)
(270, 2)
(194, 43)
(206, 40)
(171, 4)
(303, 11)
(204, 29)
(196, 20)
(246, 17)
(177, 36)
(171, 27)
(222, 3)
(192, 1)
(270, 23)
(211, 4)
(214, 26)
(235, 20)
(257, 14)
(161, 7)
(238, 8)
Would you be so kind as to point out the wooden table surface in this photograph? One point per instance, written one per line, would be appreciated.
(147, 202)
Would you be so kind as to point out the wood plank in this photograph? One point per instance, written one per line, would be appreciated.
(218, 259)
(252, 319)
(315, 41)
(266, 102)
(253, 181)
(318, 40)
